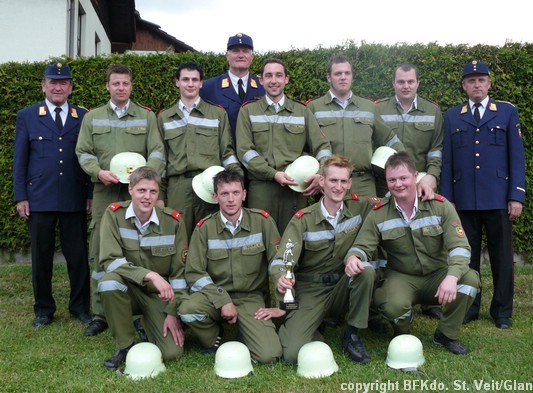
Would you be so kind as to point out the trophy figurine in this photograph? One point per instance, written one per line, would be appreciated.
(288, 303)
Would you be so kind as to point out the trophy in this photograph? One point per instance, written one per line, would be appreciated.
(288, 303)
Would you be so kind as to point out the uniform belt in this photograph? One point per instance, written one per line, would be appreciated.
(191, 174)
(320, 278)
(359, 173)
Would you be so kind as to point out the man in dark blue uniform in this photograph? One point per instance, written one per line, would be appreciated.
(483, 173)
(50, 188)
(232, 89)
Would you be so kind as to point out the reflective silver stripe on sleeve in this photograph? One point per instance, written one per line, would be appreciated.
(151, 241)
(111, 285)
(318, 235)
(198, 121)
(368, 264)
(391, 224)
(393, 141)
(379, 263)
(190, 318)
(157, 155)
(230, 160)
(467, 290)
(276, 119)
(119, 123)
(178, 283)
(425, 222)
(459, 251)
(409, 118)
(349, 223)
(238, 242)
(116, 264)
(247, 157)
(130, 234)
(277, 262)
(344, 114)
(97, 275)
(87, 157)
(357, 249)
(323, 153)
(201, 283)
(404, 316)
(172, 125)
(434, 154)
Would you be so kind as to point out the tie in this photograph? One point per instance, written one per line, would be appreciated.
(59, 122)
(476, 112)
(241, 90)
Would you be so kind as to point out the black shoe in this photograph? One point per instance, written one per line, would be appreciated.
(453, 346)
(140, 330)
(329, 323)
(118, 359)
(470, 317)
(434, 312)
(503, 323)
(42, 320)
(96, 327)
(214, 347)
(378, 326)
(353, 344)
(84, 317)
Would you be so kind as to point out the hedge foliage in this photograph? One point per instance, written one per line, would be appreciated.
(440, 69)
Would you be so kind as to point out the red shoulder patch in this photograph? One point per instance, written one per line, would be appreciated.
(200, 223)
(436, 103)
(439, 198)
(307, 102)
(176, 215)
(299, 214)
(147, 108)
(265, 214)
(377, 101)
(355, 197)
(114, 206)
(377, 206)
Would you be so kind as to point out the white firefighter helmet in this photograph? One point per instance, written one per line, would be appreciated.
(202, 184)
(420, 176)
(380, 156)
(144, 360)
(300, 169)
(123, 164)
(405, 353)
(233, 360)
(315, 360)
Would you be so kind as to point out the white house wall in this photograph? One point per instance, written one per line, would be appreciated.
(36, 30)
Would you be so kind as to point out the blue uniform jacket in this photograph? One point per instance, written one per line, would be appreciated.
(483, 166)
(220, 91)
(46, 171)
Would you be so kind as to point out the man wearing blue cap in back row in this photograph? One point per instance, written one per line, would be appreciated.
(483, 174)
(232, 89)
(51, 189)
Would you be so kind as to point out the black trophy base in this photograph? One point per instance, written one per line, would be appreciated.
(288, 306)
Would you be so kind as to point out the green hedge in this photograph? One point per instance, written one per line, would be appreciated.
(440, 69)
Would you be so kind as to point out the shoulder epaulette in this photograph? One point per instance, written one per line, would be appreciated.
(252, 100)
(225, 82)
(42, 110)
(505, 102)
(464, 109)
(73, 112)
(147, 108)
(354, 197)
(265, 214)
(215, 104)
(439, 198)
(253, 83)
(307, 102)
(435, 103)
(200, 223)
(381, 100)
(176, 214)
(114, 206)
(299, 214)
(374, 200)
(377, 206)
(493, 107)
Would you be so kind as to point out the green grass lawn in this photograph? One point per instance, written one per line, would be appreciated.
(59, 358)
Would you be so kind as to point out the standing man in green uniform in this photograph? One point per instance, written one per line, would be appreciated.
(322, 235)
(351, 124)
(119, 126)
(271, 133)
(227, 266)
(197, 135)
(428, 255)
(418, 124)
(143, 257)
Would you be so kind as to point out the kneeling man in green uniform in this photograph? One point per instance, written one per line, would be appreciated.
(427, 255)
(227, 266)
(142, 251)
